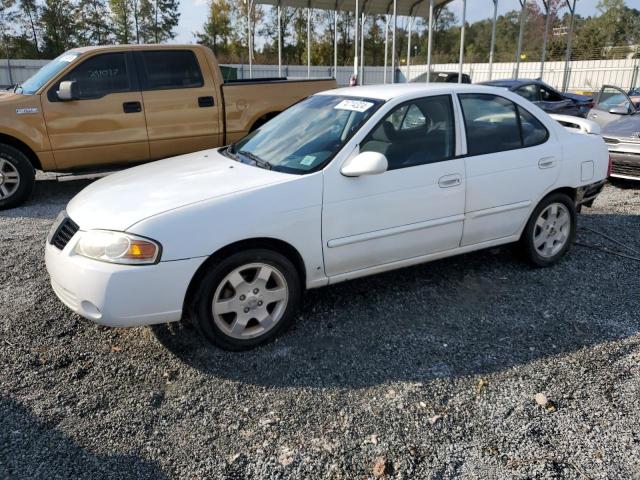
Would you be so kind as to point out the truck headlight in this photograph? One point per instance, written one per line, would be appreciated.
(118, 247)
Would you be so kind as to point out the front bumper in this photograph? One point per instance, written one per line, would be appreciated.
(119, 295)
(625, 165)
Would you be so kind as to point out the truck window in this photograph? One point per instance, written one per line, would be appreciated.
(99, 76)
(168, 69)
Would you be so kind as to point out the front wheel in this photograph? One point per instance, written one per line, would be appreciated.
(550, 230)
(247, 299)
(17, 177)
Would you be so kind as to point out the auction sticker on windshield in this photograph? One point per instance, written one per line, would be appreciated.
(354, 105)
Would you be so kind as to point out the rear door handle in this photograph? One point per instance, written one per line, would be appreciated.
(449, 181)
(546, 162)
(132, 107)
(205, 102)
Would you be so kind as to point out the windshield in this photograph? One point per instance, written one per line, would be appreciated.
(306, 136)
(50, 70)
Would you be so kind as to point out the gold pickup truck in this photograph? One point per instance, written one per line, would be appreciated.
(100, 107)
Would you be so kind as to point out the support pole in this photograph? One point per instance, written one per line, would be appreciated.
(250, 46)
(430, 41)
(547, 17)
(461, 59)
(386, 46)
(493, 37)
(523, 5)
(308, 42)
(393, 42)
(361, 75)
(567, 59)
(355, 40)
(409, 28)
(335, 42)
(279, 40)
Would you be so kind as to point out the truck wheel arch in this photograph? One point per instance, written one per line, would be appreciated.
(24, 148)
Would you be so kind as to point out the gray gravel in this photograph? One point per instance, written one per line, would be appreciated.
(428, 372)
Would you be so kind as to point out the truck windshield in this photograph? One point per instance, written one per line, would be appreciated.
(306, 136)
(42, 76)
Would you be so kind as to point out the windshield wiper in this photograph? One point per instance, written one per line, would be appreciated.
(256, 159)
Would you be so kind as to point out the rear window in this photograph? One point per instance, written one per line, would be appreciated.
(169, 69)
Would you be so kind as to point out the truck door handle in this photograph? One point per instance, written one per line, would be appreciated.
(546, 162)
(132, 107)
(449, 181)
(205, 102)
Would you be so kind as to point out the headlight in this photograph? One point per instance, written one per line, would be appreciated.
(117, 247)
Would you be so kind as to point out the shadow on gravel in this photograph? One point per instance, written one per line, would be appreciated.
(48, 198)
(468, 315)
(32, 449)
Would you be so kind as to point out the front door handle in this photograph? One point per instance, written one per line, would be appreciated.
(449, 181)
(132, 107)
(546, 162)
(205, 102)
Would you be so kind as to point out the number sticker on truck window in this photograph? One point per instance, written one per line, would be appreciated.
(354, 105)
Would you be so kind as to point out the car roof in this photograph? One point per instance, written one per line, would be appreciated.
(400, 90)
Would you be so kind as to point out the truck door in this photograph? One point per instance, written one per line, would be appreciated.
(104, 123)
(180, 102)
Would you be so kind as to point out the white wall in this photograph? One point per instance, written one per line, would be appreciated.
(585, 75)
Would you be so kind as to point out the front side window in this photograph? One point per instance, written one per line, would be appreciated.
(496, 124)
(306, 136)
(99, 76)
(415, 133)
(612, 97)
(169, 69)
(530, 92)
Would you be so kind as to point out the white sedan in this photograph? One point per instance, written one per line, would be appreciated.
(346, 183)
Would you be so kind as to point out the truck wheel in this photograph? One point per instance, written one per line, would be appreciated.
(17, 177)
(247, 299)
(550, 230)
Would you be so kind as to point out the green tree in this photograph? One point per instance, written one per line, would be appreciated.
(216, 31)
(31, 19)
(94, 26)
(58, 27)
(122, 20)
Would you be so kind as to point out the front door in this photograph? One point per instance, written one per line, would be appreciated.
(181, 104)
(414, 208)
(105, 124)
(610, 98)
(511, 161)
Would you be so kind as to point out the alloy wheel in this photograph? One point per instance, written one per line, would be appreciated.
(9, 179)
(552, 230)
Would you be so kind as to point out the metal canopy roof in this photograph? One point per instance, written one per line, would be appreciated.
(370, 7)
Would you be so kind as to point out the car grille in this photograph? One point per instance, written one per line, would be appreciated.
(65, 232)
(627, 164)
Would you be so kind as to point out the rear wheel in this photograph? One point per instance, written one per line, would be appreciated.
(550, 230)
(17, 177)
(247, 299)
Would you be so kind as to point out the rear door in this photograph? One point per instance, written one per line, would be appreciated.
(180, 102)
(105, 124)
(609, 98)
(511, 161)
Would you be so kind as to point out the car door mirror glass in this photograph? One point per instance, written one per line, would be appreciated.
(68, 90)
(365, 163)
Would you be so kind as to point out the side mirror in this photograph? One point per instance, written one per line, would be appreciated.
(365, 163)
(619, 110)
(68, 90)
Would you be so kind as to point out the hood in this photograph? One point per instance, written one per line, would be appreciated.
(578, 98)
(118, 201)
(627, 127)
(8, 96)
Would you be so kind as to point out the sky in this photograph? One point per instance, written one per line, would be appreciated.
(193, 13)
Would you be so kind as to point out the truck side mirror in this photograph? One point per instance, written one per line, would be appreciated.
(68, 90)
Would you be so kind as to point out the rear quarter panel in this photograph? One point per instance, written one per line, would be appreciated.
(245, 103)
(585, 159)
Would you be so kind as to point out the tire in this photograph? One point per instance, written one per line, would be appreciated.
(556, 231)
(17, 177)
(243, 316)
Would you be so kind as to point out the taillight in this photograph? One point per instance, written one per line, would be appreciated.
(610, 166)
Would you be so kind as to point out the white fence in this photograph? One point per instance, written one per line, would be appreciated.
(588, 75)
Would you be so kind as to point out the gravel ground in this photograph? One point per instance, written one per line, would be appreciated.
(427, 372)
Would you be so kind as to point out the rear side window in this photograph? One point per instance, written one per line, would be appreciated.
(530, 92)
(99, 76)
(169, 69)
(496, 124)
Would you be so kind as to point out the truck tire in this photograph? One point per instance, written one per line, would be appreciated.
(17, 177)
(247, 299)
(550, 231)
